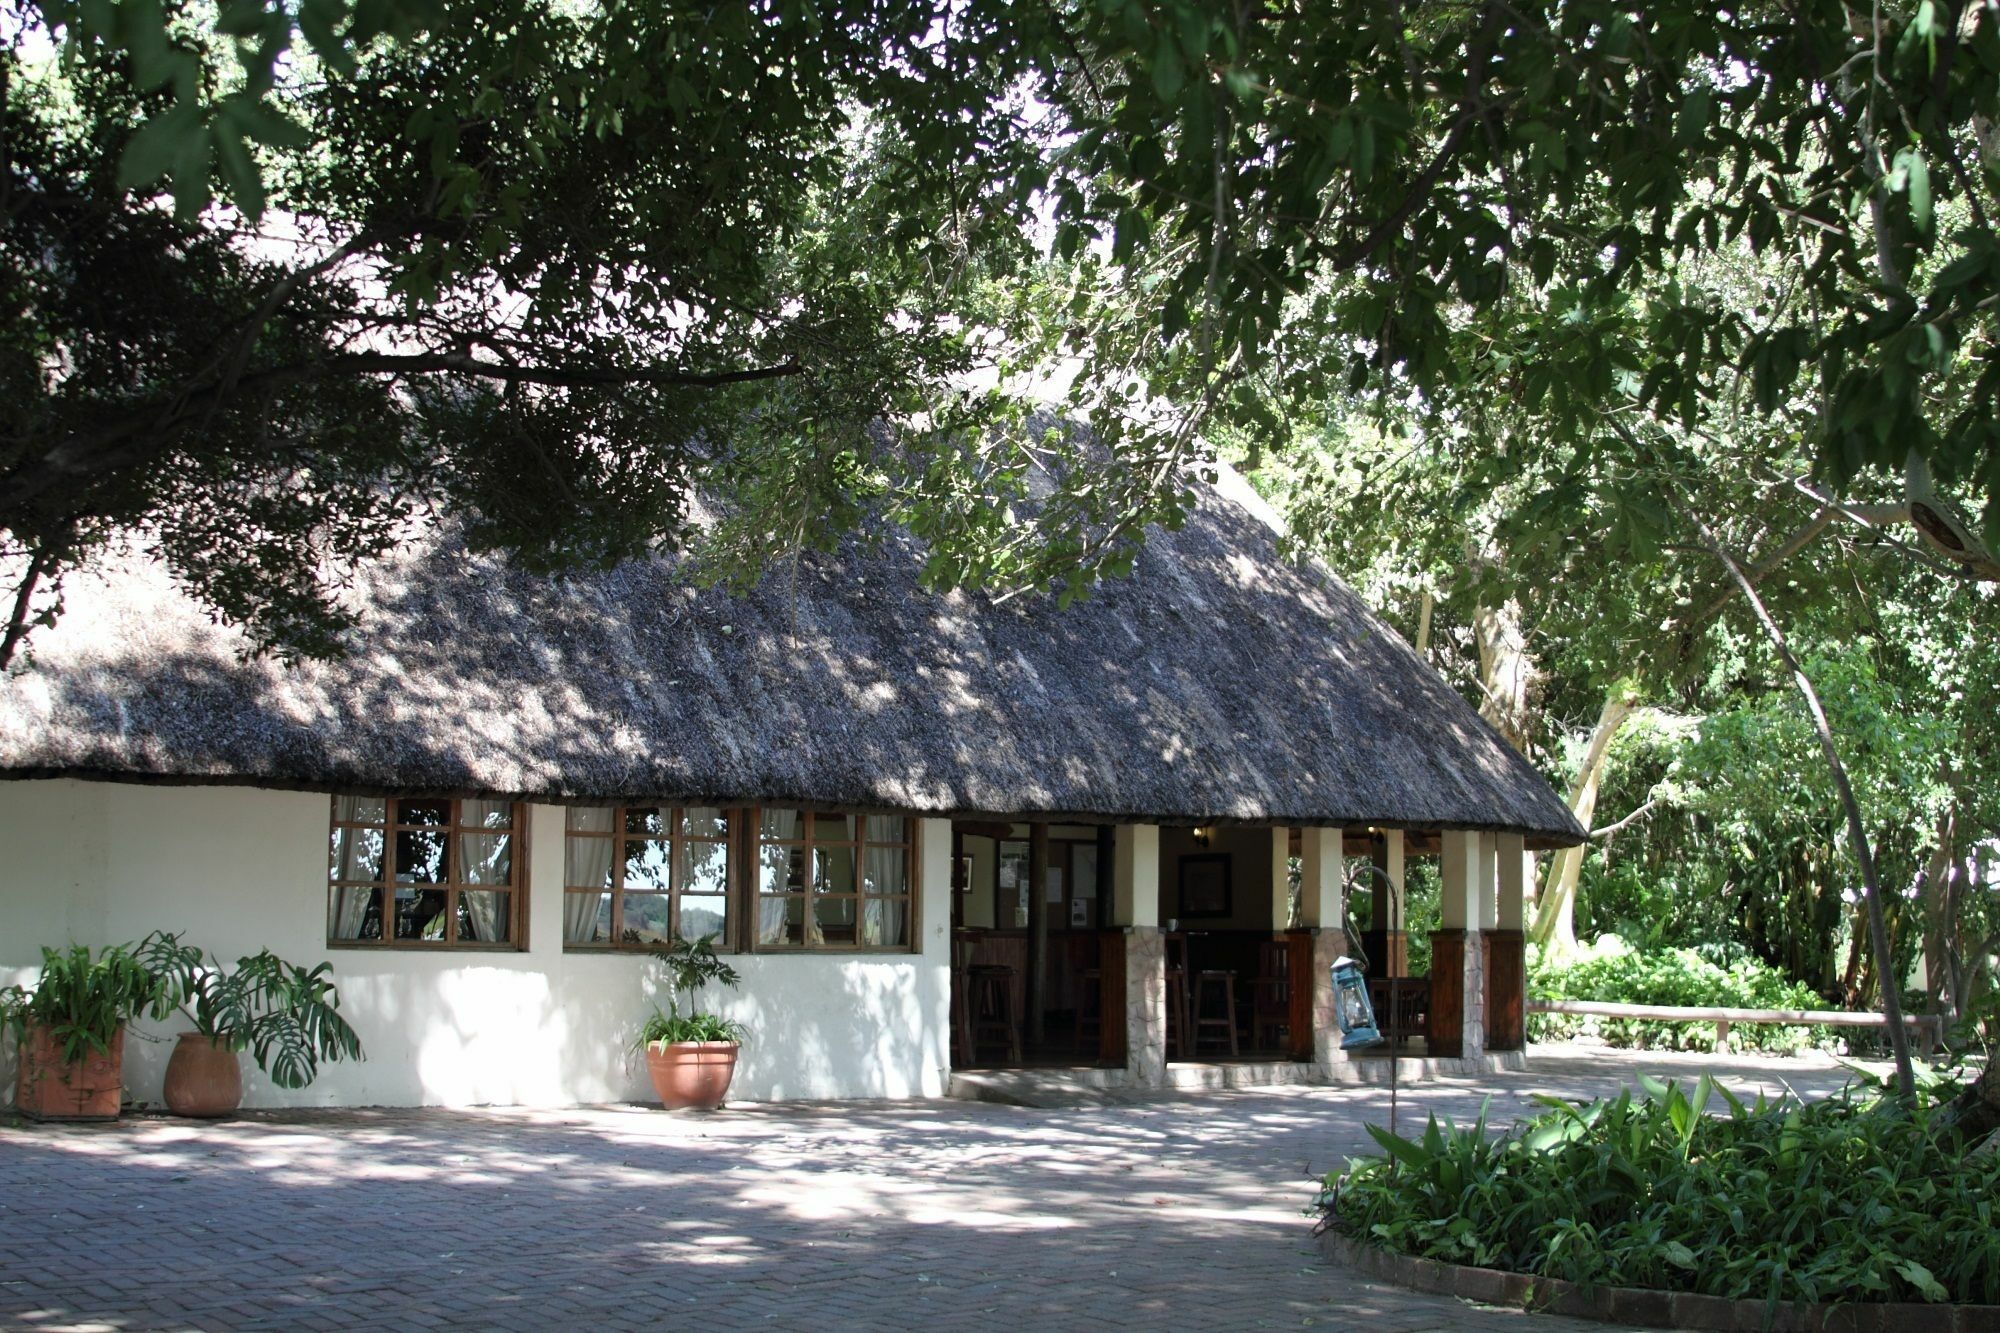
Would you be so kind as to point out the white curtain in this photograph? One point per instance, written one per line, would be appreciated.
(357, 854)
(587, 864)
(774, 864)
(884, 871)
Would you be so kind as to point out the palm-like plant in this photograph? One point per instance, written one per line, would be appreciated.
(286, 1016)
(83, 1000)
(691, 965)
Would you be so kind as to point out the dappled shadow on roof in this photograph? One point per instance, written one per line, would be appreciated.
(1218, 682)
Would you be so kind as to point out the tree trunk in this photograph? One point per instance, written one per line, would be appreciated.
(1508, 677)
(1857, 831)
(1975, 1113)
(1555, 912)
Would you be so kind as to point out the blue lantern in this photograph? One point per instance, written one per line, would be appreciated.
(1351, 1006)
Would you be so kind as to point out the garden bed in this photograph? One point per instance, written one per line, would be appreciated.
(1647, 1209)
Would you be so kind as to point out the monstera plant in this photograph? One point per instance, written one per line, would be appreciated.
(287, 1017)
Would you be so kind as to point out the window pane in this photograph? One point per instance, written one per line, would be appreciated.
(354, 914)
(779, 920)
(646, 864)
(587, 862)
(834, 918)
(649, 819)
(833, 869)
(781, 869)
(486, 858)
(486, 814)
(420, 856)
(591, 818)
(883, 921)
(836, 828)
(703, 914)
(423, 812)
(359, 809)
(483, 916)
(1083, 861)
(646, 918)
(705, 868)
(356, 853)
(887, 870)
(786, 825)
(705, 821)
(888, 828)
(419, 914)
(587, 917)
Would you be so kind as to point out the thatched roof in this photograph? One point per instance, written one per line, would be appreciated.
(1218, 684)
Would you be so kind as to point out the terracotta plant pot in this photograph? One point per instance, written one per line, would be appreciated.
(691, 1075)
(48, 1087)
(204, 1078)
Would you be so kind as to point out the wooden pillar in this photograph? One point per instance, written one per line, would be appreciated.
(1458, 978)
(1323, 913)
(1391, 956)
(1135, 912)
(1281, 879)
(1507, 949)
(1038, 931)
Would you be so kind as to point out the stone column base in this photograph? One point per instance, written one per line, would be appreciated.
(1146, 1005)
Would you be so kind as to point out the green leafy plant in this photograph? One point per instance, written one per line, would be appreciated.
(83, 999)
(1859, 1197)
(286, 1016)
(691, 965)
(1698, 976)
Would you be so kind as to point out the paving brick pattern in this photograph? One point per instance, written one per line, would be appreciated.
(1183, 1213)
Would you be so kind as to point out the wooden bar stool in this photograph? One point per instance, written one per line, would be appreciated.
(1177, 1013)
(1222, 987)
(1090, 1012)
(993, 1009)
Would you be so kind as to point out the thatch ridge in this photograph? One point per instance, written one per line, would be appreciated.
(1219, 683)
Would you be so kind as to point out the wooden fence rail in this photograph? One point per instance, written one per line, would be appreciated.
(1929, 1027)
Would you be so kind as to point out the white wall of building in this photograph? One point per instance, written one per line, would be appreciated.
(240, 870)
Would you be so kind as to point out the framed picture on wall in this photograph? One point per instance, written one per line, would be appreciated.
(1205, 885)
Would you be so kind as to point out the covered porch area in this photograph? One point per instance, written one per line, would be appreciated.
(1140, 955)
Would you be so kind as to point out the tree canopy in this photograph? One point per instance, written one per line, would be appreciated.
(279, 277)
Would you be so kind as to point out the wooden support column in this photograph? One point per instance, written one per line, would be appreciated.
(1507, 949)
(1281, 879)
(1135, 907)
(1458, 977)
(1323, 913)
(1389, 940)
(1038, 931)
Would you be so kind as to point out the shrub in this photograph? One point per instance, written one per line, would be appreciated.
(1855, 1198)
(1706, 975)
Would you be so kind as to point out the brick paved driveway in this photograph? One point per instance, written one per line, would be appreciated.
(1182, 1212)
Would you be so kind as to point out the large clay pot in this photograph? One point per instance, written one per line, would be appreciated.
(48, 1087)
(204, 1078)
(691, 1075)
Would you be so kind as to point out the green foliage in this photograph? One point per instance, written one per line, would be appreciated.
(690, 965)
(664, 1029)
(1852, 1199)
(287, 1016)
(83, 999)
(1705, 975)
(609, 257)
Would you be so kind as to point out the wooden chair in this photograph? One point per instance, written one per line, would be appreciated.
(1215, 989)
(1271, 997)
(1090, 1012)
(993, 1009)
(961, 1008)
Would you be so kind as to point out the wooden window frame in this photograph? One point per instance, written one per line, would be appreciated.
(911, 897)
(677, 840)
(451, 885)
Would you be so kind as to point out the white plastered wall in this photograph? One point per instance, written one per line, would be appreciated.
(241, 869)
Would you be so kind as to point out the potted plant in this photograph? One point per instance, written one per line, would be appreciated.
(70, 1028)
(691, 1056)
(286, 1016)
